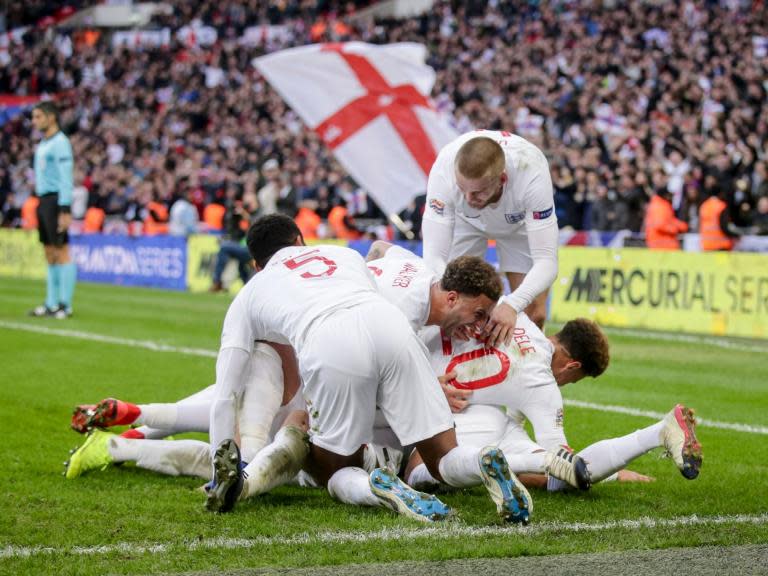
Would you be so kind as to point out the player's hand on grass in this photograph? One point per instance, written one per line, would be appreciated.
(65, 219)
(630, 476)
(501, 325)
(457, 399)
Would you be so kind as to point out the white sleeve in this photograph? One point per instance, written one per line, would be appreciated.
(543, 244)
(237, 338)
(231, 366)
(438, 238)
(544, 410)
(439, 216)
(239, 331)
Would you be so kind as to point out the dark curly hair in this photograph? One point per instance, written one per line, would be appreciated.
(472, 276)
(587, 344)
(269, 234)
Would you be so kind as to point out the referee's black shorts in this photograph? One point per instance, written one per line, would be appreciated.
(48, 221)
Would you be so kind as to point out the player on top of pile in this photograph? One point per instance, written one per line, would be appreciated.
(495, 185)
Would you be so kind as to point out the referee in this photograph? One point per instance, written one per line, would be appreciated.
(53, 185)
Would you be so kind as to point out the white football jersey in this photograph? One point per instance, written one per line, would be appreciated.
(527, 200)
(497, 376)
(404, 279)
(299, 286)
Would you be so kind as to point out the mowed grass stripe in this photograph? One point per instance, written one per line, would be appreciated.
(159, 347)
(390, 535)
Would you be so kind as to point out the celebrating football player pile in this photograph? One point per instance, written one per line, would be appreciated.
(369, 394)
(379, 379)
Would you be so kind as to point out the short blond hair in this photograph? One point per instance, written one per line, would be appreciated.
(480, 157)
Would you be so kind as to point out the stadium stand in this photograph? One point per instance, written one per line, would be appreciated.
(626, 99)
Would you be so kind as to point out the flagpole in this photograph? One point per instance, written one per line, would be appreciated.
(400, 225)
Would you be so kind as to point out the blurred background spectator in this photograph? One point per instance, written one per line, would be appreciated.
(627, 99)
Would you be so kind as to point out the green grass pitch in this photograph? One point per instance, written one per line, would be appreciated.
(127, 521)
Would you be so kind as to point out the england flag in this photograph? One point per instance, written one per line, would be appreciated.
(370, 104)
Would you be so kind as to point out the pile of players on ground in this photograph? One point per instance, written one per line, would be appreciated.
(378, 379)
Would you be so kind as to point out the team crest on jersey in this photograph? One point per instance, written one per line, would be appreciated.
(559, 417)
(437, 206)
(544, 213)
(515, 217)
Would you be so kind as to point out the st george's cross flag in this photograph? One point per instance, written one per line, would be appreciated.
(370, 104)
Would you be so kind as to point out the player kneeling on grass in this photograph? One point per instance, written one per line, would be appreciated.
(507, 384)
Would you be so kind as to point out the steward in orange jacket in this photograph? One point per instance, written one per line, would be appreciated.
(713, 222)
(308, 221)
(29, 213)
(156, 220)
(661, 226)
(93, 221)
(213, 216)
(342, 224)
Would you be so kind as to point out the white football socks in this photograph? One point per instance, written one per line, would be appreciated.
(609, 456)
(532, 462)
(421, 479)
(171, 457)
(460, 467)
(190, 414)
(351, 486)
(276, 464)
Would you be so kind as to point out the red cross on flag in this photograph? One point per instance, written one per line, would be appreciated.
(370, 104)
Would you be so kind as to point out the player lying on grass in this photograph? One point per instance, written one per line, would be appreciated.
(507, 385)
(523, 380)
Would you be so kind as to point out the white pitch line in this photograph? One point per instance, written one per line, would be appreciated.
(157, 347)
(658, 416)
(386, 535)
(691, 338)
(146, 344)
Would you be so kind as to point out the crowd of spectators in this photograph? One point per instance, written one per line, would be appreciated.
(627, 99)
